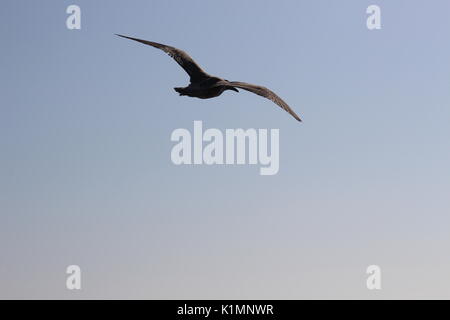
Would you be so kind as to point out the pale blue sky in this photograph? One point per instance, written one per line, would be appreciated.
(86, 176)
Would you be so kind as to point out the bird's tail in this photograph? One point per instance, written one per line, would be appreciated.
(180, 90)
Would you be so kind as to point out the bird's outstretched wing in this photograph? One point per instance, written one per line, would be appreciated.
(266, 93)
(184, 60)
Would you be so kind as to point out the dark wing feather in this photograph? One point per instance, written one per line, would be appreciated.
(266, 93)
(184, 60)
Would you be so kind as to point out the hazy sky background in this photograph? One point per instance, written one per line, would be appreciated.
(86, 175)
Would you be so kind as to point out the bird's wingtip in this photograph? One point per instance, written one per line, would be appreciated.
(296, 117)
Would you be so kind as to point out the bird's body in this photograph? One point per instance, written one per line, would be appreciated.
(205, 89)
(205, 86)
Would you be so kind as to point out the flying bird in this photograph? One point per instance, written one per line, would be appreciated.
(204, 86)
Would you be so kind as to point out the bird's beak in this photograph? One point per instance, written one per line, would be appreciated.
(234, 89)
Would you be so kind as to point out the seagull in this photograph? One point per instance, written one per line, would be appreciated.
(204, 86)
